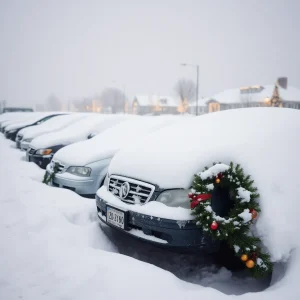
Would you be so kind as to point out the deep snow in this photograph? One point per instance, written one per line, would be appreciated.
(53, 248)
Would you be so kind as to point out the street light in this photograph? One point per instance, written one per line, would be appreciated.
(197, 81)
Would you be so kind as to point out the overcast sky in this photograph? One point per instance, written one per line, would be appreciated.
(77, 48)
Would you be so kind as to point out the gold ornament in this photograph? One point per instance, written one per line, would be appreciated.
(244, 257)
(218, 180)
(250, 264)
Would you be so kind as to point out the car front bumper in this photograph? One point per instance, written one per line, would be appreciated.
(160, 231)
(41, 161)
(84, 186)
(23, 145)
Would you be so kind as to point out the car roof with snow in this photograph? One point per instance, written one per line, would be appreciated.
(51, 125)
(75, 132)
(35, 118)
(107, 143)
(253, 137)
(14, 116)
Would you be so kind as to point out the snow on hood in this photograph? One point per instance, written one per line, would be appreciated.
(107, 143)
(54, 124)
(75, 132)
(265, 141)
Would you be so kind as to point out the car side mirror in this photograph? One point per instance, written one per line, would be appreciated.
(91, 135)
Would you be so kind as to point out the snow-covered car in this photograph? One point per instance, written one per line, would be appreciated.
(145, 193)
(12, 130)
(10, 118)
(26, 135)
(83, 166)
(42, 148)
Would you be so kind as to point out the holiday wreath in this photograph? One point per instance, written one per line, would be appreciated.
(48, 178)
(235, 228)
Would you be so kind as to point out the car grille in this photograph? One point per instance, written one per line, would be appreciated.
(31, 150)
(61, 167)
(138, 191)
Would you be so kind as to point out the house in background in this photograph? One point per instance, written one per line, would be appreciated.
(251, 96)
(153, 104)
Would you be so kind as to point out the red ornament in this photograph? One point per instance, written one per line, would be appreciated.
(253, 256)
(253, 213)
(214, 225)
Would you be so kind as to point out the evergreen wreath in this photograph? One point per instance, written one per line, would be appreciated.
(49, 177)
(234, 229)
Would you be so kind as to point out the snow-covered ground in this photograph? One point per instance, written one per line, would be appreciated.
(52, 247)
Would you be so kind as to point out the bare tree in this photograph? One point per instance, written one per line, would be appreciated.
(113, 98)
(53, 103)
(185, 89)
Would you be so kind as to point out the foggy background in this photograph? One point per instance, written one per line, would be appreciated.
(75, 49)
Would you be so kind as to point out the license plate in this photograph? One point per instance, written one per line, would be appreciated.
(116, 217)
(27, 156)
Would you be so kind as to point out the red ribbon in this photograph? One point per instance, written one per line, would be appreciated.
(196, 199)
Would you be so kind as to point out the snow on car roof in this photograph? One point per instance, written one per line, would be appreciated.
(108, 142)
(223, 136)
(77, 131)
(14, 116)
(51, 125)
(35, 118)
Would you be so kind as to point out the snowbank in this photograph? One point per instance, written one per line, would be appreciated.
(53, 248)
(77, 131)
(107, 143)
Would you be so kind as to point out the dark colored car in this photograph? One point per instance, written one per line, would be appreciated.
(180, 234)
(42, 157)
(16, 109)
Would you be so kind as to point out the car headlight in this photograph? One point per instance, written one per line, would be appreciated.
(12, 131)
(80, 171)
(44, 151)
(174, 198)
(29, 140)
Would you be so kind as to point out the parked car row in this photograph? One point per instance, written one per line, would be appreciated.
(139, 169)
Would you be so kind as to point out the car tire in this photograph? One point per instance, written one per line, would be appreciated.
(226, 257)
